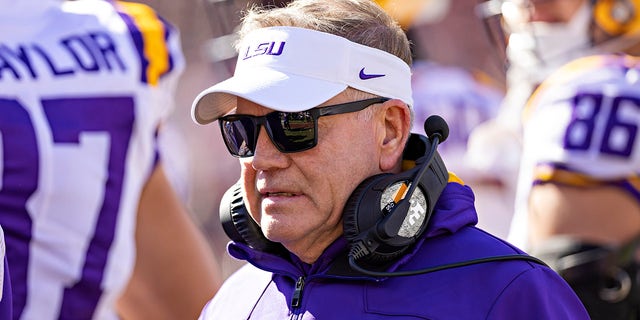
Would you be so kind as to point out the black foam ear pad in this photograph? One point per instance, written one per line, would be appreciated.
(238, 224)
(363, 211)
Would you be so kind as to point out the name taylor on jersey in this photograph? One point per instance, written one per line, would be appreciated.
(87, 52)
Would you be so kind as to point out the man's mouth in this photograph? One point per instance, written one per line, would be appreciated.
(280, 194)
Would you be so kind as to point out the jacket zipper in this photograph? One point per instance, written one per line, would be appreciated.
(297, 297)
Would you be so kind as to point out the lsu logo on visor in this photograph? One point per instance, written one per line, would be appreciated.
(273, 48)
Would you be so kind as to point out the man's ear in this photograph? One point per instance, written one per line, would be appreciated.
(396, 118)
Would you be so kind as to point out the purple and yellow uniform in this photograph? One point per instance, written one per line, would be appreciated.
(581, 129)
(83, 88)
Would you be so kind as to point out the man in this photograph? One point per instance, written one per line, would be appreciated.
(579, 176)
(542, 36)
(576, 204)
(321, 244)
(93, 228)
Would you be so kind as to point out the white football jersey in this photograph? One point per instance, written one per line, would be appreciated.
(83, 87)
(581, 129)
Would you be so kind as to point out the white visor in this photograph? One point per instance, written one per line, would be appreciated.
(293, 69)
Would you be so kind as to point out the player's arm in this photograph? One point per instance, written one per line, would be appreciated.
(175, 272)
(604, 214)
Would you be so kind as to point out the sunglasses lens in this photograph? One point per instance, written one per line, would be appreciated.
(289, 132)
(292, 132)
(239, 135)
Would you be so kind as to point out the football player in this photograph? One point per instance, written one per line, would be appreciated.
(89, 216)
(577, 199)
(540, 36)
(579, 180)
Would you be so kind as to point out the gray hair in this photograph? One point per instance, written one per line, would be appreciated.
(360, 21)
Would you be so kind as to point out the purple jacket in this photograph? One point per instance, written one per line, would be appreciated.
(273, 287)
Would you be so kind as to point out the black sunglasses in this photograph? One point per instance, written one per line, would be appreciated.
(288, 131)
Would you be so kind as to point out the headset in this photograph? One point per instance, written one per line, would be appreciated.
(387, 212)
(384, 216)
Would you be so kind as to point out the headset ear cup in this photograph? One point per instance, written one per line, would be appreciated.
(238, 224)
(231, 202)
(363, 211)
(351, 225)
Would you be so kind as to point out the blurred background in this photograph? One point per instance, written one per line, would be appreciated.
(446, 33)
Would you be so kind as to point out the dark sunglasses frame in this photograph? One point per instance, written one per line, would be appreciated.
(275, 130)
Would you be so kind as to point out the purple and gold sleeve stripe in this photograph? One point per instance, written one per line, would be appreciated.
(559, 174)
(149, 33)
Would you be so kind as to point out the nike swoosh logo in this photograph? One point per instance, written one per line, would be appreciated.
(365, 76)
